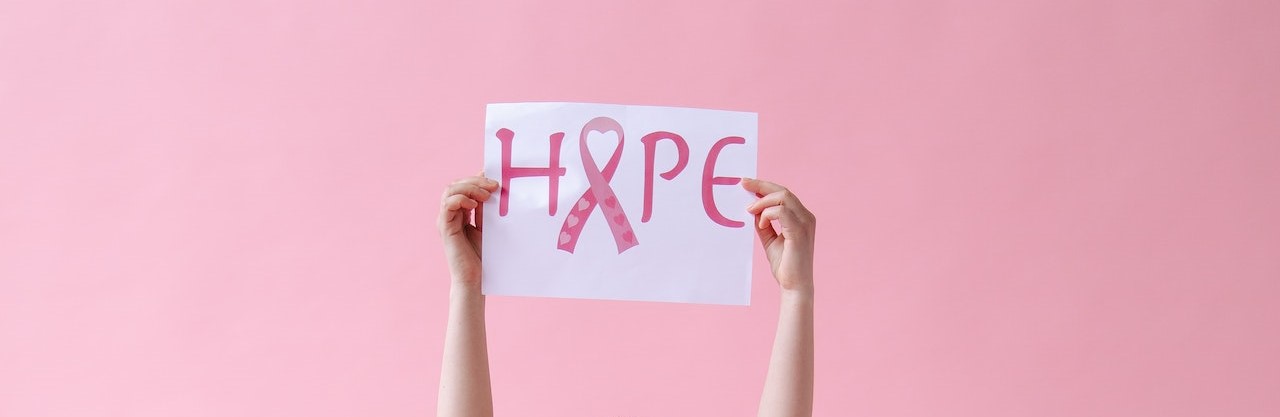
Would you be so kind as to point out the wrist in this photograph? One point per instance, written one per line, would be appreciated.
(800, 292)
(464, 287)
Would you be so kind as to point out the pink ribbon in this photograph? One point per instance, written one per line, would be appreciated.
(598, 191)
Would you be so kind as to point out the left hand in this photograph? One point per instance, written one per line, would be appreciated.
(790, 248)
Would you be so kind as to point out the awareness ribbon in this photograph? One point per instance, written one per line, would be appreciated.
(598, 191)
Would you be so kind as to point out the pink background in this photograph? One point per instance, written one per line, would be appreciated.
(1051, 208)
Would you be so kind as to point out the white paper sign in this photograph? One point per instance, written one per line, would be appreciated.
(619, 202)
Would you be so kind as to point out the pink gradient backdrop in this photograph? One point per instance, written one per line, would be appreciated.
(1049, 208)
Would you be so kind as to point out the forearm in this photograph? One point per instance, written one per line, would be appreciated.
(464, 374)
(788, 388)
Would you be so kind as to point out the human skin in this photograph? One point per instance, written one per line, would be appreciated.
(788, 388)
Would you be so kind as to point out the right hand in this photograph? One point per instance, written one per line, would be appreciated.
(461, 237)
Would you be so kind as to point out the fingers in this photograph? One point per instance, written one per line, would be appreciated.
(761, 187)
(777, 203)
(782, 197)
(463, 197)
(458, 201)
(765, 217)
(453, 212)
(766, 232)
(777, 198)
(485, 184)
(770, 195)
(479, 181)
(474, 190)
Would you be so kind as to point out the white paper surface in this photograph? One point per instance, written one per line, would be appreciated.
(679, 255)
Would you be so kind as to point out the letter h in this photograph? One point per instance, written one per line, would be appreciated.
(553, 171)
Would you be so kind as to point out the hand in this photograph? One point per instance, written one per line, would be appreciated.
(790, 247)
(461, 238)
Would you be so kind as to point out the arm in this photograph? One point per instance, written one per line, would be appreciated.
(788, 387)
(464, 373)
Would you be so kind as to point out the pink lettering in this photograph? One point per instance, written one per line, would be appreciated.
(553, 171)
(650, 150)
(599, 194)
(709, 180)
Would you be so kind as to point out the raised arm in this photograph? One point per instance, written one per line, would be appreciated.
(788, 388)
(464, 373)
